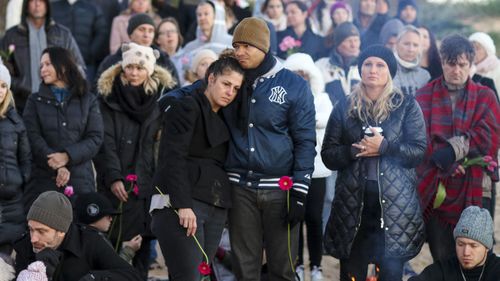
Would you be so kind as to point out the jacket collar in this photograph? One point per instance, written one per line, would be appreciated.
(215, 129)
(71, 242)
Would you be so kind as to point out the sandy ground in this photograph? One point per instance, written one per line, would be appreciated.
(331, 265)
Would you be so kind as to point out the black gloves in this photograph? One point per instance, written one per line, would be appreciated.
(443, 158)
(297, 209)
(50, 258)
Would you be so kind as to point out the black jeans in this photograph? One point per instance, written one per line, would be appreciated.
(256, 220)
(369, 244)
(182, 255)
(314, 223)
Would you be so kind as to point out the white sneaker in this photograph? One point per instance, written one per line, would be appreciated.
(316, 274)
(299, 273)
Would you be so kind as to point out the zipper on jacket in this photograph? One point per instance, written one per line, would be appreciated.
(380, 195)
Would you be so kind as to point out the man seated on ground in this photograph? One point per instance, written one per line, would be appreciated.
(69, 251)
(96, 211)
(473, 240)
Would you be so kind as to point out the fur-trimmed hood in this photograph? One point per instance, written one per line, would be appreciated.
(304, 62)
(161, 77)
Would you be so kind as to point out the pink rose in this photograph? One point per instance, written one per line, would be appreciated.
(131, 177)
(68, 191)
(298, 43)
(12, 48)
(487, 158)
(135, 190)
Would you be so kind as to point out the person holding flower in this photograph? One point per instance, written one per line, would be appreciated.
(64, 128)
(300, 30)
(191, 171)
(128, 97)
(463, 122)
(374, 139)
(15, 166)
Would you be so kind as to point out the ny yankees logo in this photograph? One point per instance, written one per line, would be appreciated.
(277, 95)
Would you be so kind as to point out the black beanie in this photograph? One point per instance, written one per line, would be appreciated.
(344, 30)
(137, 20)
(381, 52)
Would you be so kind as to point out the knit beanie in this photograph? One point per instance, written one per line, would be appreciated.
(344, 30)
(475, 223)
(137, 20)
(341, 5)
(253, 31)
(4, 74)
(53, 209)
(381, 52)
(485, 41)
(36, 271)
(200, 55)
(390, 29)
(133, 53)
(403, 3)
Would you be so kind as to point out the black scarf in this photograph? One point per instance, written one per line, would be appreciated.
(134, 100)
(247, 90)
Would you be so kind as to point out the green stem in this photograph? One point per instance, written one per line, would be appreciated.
(288, 233)
(194, 236)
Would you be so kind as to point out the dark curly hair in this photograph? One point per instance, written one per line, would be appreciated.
(453, 46)
(226, 62)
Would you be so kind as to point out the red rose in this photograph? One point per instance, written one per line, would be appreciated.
(285, 183)
(204, 268)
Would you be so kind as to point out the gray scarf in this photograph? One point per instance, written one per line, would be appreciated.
(37, 43)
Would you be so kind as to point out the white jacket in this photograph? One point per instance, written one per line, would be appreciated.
(322, 104)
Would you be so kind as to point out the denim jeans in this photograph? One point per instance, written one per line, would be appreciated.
(182, 255)
(256, 221)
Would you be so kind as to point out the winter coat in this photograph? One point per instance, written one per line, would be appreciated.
(164, 61)
(15, 169)
(339, 80)
(88, 26)
(57, 35)
(409, 80)
(128, 147)
(449, 270)
(82, 253)
(281, 135)
(191, 162)
(404, 131)
(322, 104)
(311, 43)
(73, 126)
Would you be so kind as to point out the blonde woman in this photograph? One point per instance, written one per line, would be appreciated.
(375, 140)
(14, 166)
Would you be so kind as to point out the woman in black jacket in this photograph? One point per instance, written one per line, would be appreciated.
(374, 141)
(64, 127)
(15, 166)
(191, 175)
(128, 96)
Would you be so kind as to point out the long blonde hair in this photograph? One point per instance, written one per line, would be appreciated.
(365, 109)
(7, 101)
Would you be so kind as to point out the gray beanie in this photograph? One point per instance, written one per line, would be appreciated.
(475, 223)
(53, 209)
(137, 20)
(344, 30)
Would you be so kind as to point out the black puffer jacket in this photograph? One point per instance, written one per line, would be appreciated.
(403, 224)
(15, 168)
(73, 126)
(88, 26)
(57, 35)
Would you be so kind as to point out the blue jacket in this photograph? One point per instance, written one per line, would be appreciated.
(281, 136)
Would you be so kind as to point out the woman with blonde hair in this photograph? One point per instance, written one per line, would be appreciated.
(15, 166)
(119, 33)
(375, 140)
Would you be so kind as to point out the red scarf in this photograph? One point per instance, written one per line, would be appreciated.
(476, 116)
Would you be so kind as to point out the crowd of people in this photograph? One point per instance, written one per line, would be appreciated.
(130, 123)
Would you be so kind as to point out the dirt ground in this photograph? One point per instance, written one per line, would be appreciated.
(331, 265)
